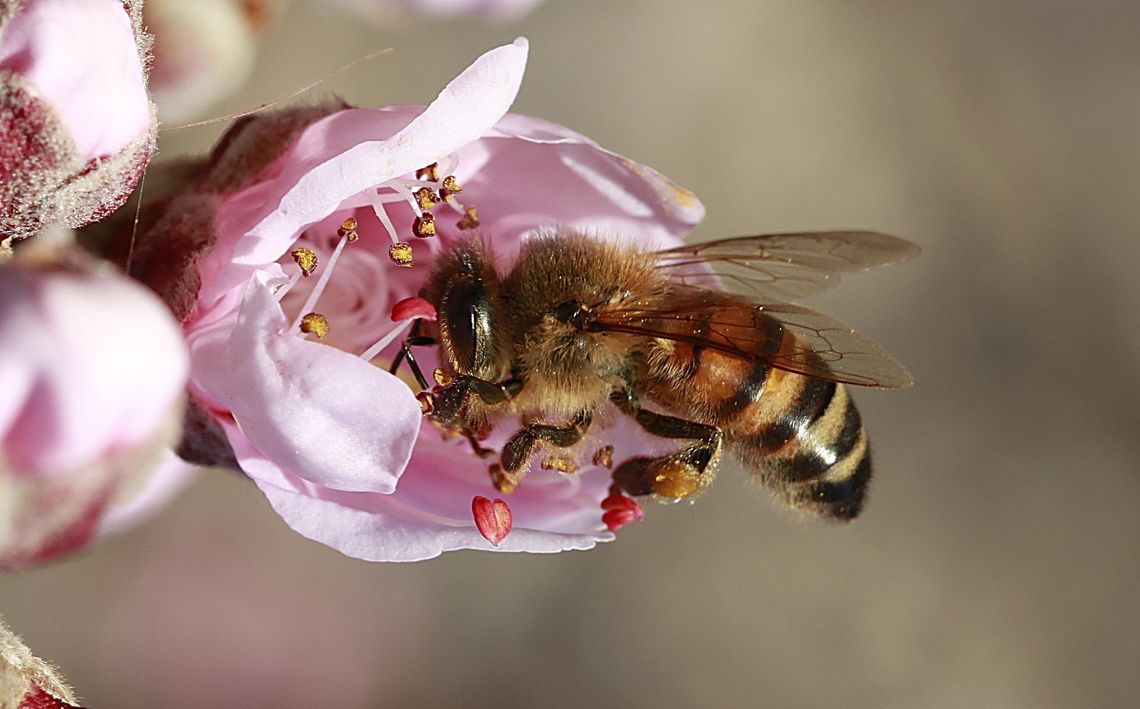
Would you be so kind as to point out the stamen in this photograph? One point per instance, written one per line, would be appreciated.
(424, 226)
(348, 228)
(316, 324)
(281, 289)
(386, 340)
(321, 283)
(441, 377)
(413, 307)
(306, 259)
(431, 172)
(449, 189)
(427, 402)
(401, 254)
(425, 198)
(620, 510)
(563, 464)
(470, 219)
(492, 518)
(385, 221)
(604, 457)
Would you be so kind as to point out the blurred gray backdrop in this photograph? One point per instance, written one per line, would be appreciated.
(997, 564)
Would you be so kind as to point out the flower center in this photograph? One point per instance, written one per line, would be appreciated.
(430, 194)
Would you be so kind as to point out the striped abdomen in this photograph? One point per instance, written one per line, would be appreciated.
(802, 436)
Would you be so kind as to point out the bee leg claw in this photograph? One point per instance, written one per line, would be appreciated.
(525, 443)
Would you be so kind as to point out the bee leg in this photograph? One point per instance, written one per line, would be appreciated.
(677, 476)
(414, 339)
(525, 443)
(448, 400)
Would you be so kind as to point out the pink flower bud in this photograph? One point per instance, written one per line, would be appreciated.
(389, 10)
(76, 125)
(203, 50)
(92, 369)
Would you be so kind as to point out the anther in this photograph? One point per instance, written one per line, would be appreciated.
(426, 198)
(401, 254)
(427, 402)
(424, 225)
(562, 464)
(620, 510)
(500, 480)
(431, 172)
(441, 377)
(306, 259)
(348, 225)
(316, 324)
(450, 188)
(492, 518)
(470, 219)
(604, 457)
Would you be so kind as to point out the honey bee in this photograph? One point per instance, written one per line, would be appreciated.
(699, 343)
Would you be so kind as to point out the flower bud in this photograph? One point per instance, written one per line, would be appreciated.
(76, 125)
(92, 369)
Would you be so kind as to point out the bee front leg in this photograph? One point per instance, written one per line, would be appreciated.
(678, 476)
(525, 443)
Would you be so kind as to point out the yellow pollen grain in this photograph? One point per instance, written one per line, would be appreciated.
(316, 324)
(470, 219)
(562, 464)
(449, 188)
(426, 198)
(500, 480)
(441, 377)
(604, 457)
(401, 254)
(306, 259)
(349, 224)
(424, 226)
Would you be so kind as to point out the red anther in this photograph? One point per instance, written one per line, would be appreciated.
(492, 518)
(620, 511)
(413, 307)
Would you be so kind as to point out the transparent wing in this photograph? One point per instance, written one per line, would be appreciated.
(778, 267)
(785, 336)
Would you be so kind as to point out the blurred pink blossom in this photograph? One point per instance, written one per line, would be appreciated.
(331, 438)
(387, 10)
(92, 369)
(76, 125)
(203, 50)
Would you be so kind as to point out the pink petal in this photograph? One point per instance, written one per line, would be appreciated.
(83, 57)
(316, 185)
(89, 364)
(170, 477)
(327, 414)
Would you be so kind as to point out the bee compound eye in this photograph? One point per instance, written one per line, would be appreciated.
(468, 321)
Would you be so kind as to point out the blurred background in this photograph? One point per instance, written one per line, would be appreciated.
(998, 563)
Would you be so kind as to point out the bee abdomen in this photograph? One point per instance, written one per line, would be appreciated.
(805, 440)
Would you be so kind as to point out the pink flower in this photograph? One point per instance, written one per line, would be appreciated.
(332, 439)
(76, 125)
(92, 369)
(494, 10)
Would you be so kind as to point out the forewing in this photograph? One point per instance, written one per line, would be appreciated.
(778, 267)
(785, 336)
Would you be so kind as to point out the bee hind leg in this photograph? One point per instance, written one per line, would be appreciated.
(525, 443)
(677, 476)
